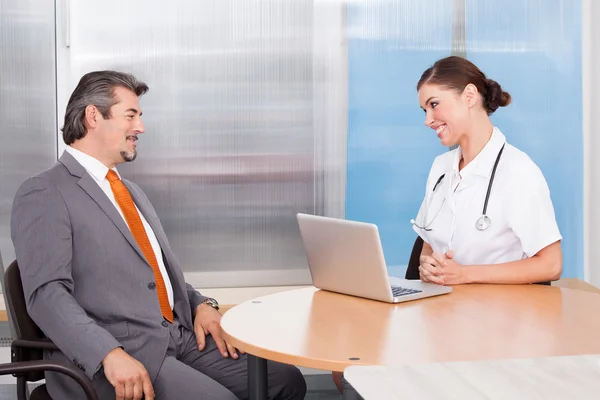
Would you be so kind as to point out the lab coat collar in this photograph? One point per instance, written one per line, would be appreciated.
(484, 162)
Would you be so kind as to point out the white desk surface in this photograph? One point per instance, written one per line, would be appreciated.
(568, 377)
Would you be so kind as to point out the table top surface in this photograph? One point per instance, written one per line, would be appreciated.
(324, 330)
(569, 377)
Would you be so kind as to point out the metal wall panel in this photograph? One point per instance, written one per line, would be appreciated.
(27, 100)
(245, 122)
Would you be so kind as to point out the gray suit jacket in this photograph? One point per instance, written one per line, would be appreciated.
(86, 281)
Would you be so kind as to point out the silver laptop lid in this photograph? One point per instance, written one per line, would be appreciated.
(345, 256)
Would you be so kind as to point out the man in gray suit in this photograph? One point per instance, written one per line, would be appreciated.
(100, 278)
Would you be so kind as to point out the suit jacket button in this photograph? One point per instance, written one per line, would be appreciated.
(165, 324)
(152, 286)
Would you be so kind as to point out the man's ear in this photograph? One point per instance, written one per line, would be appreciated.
(92, 116)
(470, 95)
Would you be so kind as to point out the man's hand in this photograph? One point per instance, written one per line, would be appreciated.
(128, 376)
(208, 322)
(441, 269)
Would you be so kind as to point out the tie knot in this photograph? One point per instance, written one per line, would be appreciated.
(112, 176)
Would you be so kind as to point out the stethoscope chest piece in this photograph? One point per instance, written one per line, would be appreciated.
(483, 223)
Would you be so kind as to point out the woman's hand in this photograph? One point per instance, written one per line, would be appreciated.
(441, 269)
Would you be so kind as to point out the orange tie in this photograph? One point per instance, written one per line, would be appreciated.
(134, 221)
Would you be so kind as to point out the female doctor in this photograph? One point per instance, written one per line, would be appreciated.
(487, 216)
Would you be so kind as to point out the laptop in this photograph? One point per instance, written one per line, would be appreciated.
(347, 257)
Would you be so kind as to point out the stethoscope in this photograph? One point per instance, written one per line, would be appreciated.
(482, 222)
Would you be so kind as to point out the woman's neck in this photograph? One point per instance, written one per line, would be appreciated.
(473, 142)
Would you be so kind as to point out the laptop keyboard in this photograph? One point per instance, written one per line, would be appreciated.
(398, 291)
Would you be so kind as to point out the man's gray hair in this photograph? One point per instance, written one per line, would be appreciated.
(95, 88)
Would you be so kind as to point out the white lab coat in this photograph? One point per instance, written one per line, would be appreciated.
(519, 206)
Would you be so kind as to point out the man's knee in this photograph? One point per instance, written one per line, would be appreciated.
(176, 380)
(288, 379)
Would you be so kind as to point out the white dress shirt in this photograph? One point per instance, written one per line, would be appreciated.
(98, 172)
(519, 206)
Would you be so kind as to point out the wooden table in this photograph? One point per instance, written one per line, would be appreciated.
(552, 378)
(330, 331)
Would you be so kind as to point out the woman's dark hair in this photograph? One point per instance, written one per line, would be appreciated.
(96, 88)
(456, 73)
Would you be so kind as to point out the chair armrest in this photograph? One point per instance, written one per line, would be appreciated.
(33, 344)
(22, 367)
(18, 346)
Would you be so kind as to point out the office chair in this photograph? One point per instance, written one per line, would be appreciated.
(13, 334)
(412, 270)
(28, 364)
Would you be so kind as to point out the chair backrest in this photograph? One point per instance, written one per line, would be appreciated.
(25, 328)
(412, 271)
(13, 333)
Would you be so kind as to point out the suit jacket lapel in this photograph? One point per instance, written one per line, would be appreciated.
(87, 183)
